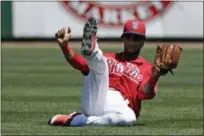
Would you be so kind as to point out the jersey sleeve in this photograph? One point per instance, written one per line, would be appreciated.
(147, 77)
(78, 62)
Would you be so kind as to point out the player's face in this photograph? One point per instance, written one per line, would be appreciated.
(132, 43)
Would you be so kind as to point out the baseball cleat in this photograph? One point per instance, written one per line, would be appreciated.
(89, 37)
(62, 120)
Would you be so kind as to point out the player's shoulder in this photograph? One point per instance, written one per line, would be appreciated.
(109, 54)
(113, 55)
(144, 61)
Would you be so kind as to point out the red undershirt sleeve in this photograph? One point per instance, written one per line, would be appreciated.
(78, 62)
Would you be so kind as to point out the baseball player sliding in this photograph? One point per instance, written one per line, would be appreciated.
(116, 83)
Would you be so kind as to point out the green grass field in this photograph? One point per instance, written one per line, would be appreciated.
(37, 83)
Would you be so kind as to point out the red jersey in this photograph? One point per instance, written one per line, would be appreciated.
(128, 77)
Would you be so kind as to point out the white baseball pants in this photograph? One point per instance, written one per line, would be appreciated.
(102, 105)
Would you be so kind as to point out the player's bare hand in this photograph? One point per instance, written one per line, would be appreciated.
(63, 35)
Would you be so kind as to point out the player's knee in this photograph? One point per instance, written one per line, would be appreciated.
(119, 119)
(124, 120)
(128, 117)
(129, 120)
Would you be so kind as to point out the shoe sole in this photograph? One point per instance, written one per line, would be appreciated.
(90, 29)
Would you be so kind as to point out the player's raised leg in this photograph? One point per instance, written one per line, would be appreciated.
(96, 83)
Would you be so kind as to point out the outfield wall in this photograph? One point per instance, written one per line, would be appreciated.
(43, 19)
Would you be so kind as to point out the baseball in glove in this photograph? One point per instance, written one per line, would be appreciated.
(166, 59)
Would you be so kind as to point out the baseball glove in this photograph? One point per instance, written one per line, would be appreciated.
(166, 59)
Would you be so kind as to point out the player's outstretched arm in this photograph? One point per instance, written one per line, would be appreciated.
(166, 59)
(74, 59)
(148, 86)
